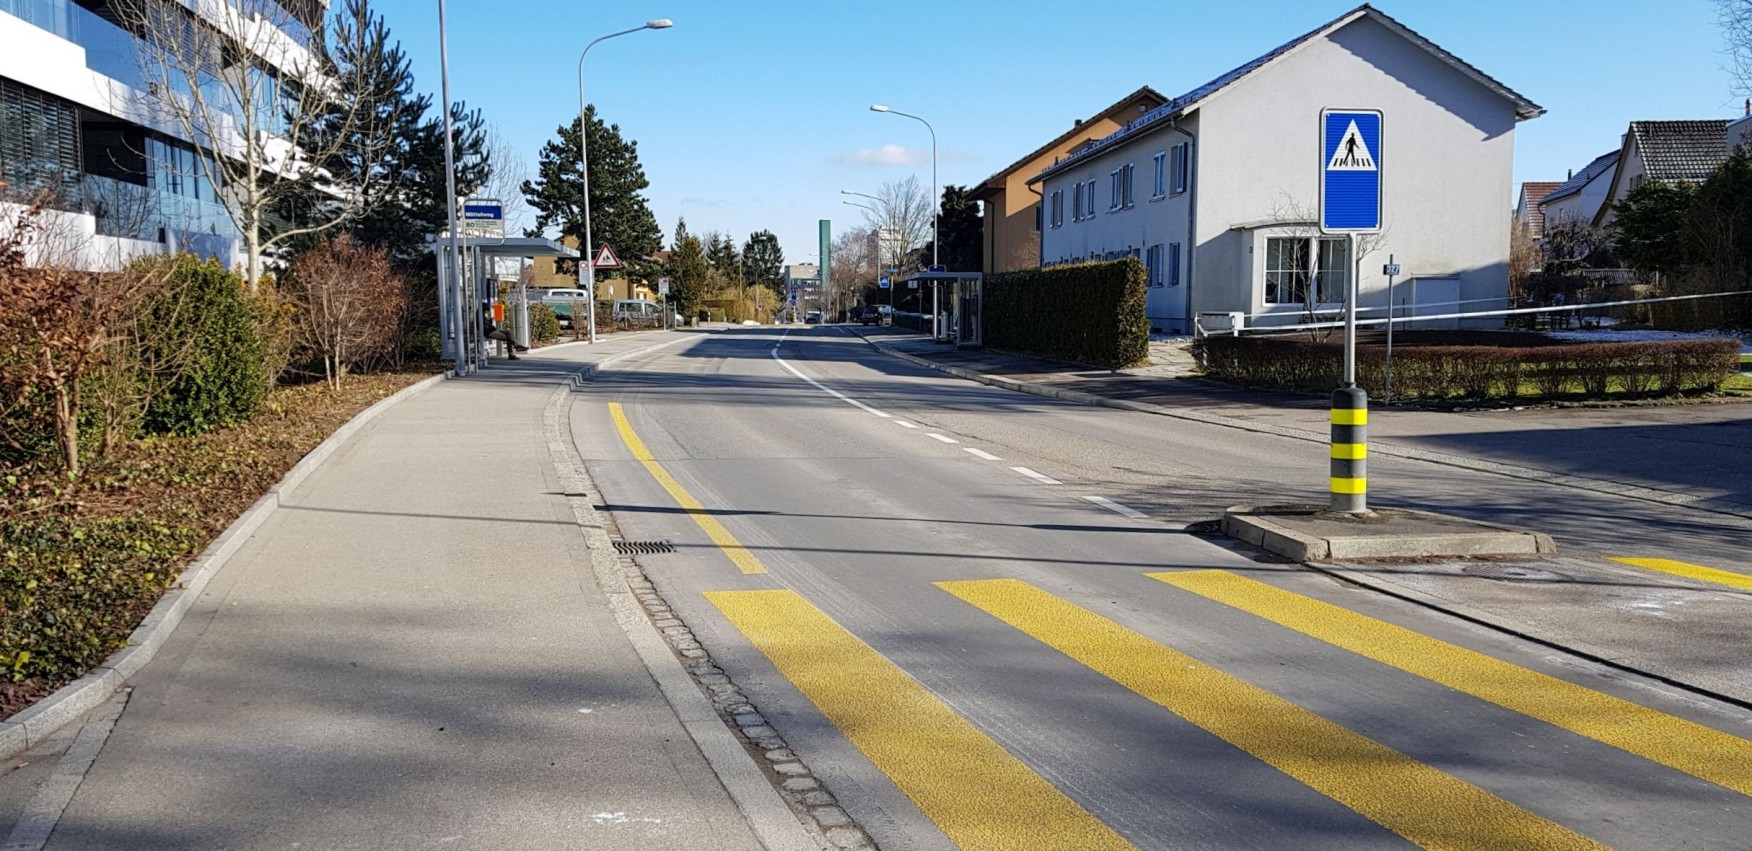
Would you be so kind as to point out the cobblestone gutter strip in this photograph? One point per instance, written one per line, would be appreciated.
(787, 806)
(1664, 497)
(71, 701)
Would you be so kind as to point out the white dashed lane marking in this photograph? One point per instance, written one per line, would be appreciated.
(935, 436)
(1039, 477)
(1116, 508)
(981, 454)
(904, 424)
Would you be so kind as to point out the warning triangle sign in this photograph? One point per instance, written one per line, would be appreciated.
(1352, 153)
(605, 258)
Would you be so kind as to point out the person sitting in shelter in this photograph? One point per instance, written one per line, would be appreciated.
(491, 331)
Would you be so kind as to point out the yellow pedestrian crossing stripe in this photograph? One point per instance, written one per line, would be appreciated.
(1426, 806)
(1674, 742)
(980, 796)
(739, 555)
(1691, 571)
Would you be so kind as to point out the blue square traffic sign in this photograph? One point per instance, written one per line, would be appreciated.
(1350, 170)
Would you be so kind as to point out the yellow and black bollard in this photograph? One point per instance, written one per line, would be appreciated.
(1350, 451)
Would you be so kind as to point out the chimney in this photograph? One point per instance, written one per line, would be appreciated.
(1076, 122)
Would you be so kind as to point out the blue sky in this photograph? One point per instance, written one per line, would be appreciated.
(753, 115)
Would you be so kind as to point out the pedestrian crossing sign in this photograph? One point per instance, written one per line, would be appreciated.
(1350, 171)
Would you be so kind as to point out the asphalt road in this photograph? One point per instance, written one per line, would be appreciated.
(980, 618)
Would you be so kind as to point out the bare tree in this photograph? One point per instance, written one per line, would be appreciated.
(1302, 223)
(260, 107)
(510, 170)
(346, 302)
(1735, 18)
(902, 220)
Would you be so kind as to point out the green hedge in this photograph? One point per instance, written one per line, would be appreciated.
(1476, 372)
(222, 376)
(544, 326)
(1089, 313)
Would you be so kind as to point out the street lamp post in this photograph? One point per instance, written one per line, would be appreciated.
(879, 267)
(586, 257)
(936, 239)
(454, 270)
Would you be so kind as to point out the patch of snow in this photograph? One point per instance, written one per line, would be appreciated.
(1635, 336)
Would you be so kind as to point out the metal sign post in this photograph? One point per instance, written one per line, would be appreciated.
(1350, 204)
(1391, 270)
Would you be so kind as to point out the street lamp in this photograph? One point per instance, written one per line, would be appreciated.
(935, 239)
(587, 259)
(456, 320)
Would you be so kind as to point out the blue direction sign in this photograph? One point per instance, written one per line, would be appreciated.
(1350, 170)
(882, 282)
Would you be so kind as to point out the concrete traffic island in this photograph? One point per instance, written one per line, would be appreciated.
(1311, 533)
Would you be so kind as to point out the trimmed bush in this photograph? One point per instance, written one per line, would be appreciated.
(1091, 313)
(222, 376)
(1476, 372)
(544, 326)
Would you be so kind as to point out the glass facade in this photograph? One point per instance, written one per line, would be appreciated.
(134, 182)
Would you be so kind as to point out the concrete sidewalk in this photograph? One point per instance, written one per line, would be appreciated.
(414, 651)
(1679, 630)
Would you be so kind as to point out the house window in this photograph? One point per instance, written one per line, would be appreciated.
(1058, 207)
(1173, 264)
(1114, 199)
(1160, 187)
(1182, 162)
(1090, 203)
(1077, 206)
(1153, 266)
(1288, 273)
(1125, 181)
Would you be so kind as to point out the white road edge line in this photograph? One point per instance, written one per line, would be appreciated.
(1116, 508)
(904, 424)
(1039, 477)
(828, 390)
(935, 436)
(980, 454)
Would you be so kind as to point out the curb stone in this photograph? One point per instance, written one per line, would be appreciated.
(42, 719)
(1714, 505)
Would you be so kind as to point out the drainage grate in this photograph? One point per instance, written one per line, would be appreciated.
(643, 548)
(1514, 573)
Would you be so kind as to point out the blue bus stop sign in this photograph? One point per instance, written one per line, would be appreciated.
(1350, 171)
(882, 282)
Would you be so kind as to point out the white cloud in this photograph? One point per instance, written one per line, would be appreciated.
(887, 155)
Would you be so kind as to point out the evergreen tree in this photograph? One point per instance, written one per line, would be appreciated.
(722, 254)
(681, 234)
(619, 212)
(1650, 227)
(958, 222)
(763, 262)
(688, 274)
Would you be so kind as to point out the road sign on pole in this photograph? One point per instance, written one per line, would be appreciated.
(605, 259)
(882, 282)
(1350, 171)
(663, 286)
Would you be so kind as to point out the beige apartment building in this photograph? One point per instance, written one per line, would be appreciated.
(1011, 208)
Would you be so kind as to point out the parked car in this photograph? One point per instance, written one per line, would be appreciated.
(812, 317)
(871, 315)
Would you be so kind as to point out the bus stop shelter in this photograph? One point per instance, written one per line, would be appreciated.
(955, 305)
(478, 259)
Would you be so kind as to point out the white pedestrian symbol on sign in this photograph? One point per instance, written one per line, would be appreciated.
(1352, 153)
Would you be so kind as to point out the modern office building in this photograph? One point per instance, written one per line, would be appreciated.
(78, 126)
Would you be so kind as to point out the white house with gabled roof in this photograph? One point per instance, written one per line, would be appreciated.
(1216, 191)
